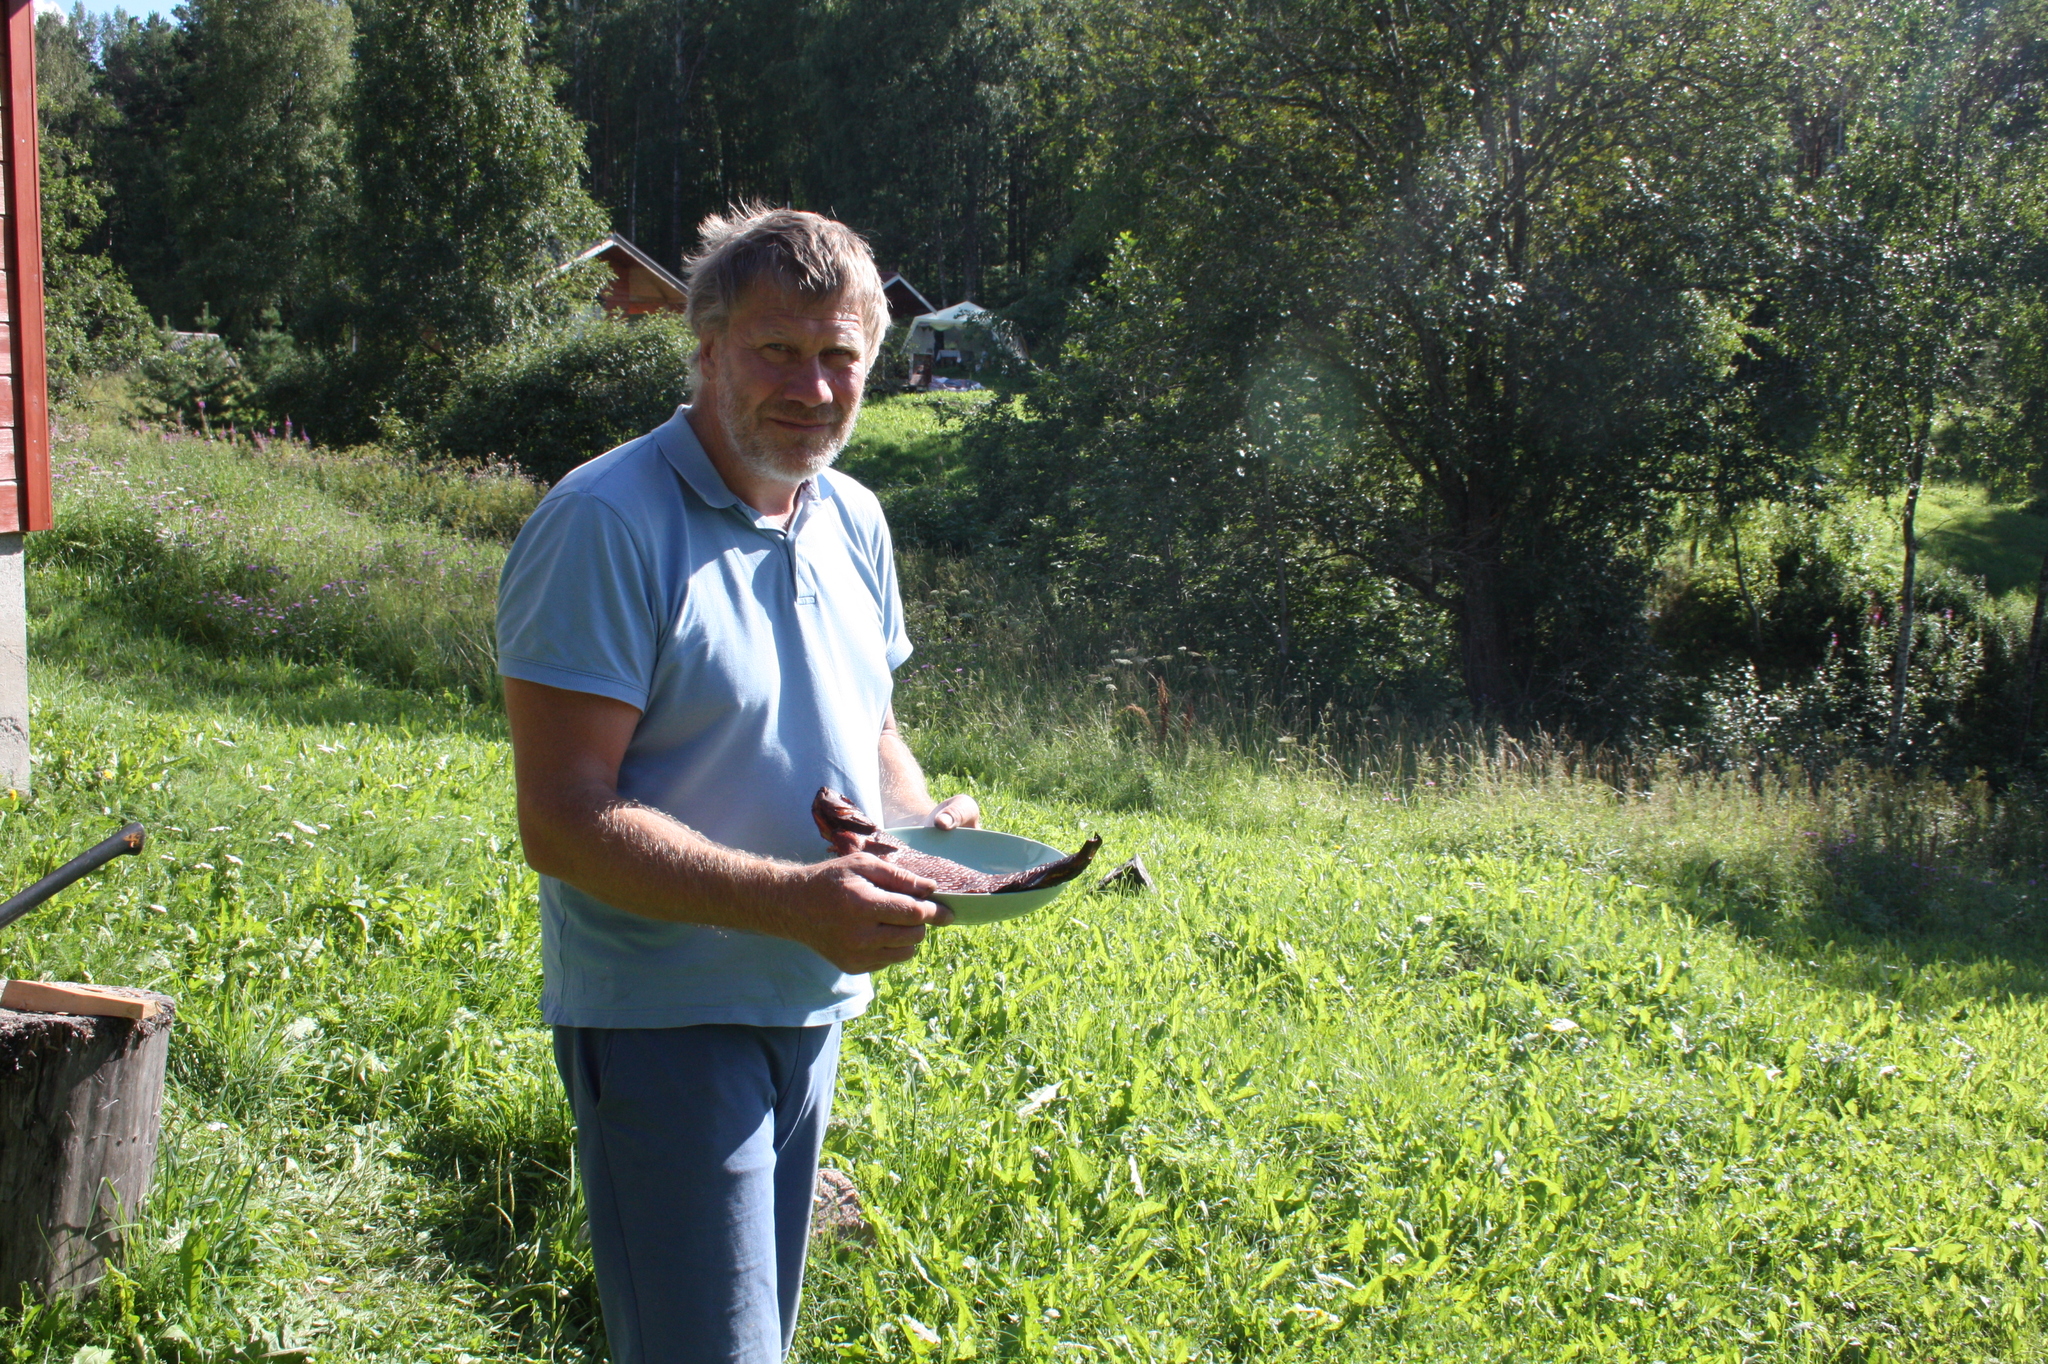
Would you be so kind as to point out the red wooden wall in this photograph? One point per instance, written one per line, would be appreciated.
(24, 394)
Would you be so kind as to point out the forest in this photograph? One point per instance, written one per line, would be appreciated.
(1585, 371)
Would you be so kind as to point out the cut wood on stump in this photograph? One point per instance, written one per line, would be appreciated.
(81, 1099)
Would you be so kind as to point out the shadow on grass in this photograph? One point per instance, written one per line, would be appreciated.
(506, 1215)
(1921, 934)
(2002, 545)
(154, 668)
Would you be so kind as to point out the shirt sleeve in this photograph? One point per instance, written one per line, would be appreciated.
(893, 631)
(576, 603)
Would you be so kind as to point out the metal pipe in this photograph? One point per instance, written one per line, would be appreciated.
(129, 840)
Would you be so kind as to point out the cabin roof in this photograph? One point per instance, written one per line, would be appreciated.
(639, 284)
(905, 302)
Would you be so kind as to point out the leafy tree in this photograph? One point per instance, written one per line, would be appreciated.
(259, 175)
(1915, 225)
(688, 107)
(935, 125)
(92, 320)
(1515, 248)
(942, 128)
(144, 71)
(197, 380)
(468, 197)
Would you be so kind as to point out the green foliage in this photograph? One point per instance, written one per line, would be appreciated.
(965, 203)
(468, 195)
(554, 399)
(92, 321)
(908, 448)
(1165, 482)
(258, 180)
(1393, 349)
(196, 379)
(1792, 652)
(659, 85)
(1472, 364)
(145, 69)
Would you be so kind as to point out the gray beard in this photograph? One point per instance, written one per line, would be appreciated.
(775, 463)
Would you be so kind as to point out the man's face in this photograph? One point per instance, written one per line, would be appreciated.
(785, 379)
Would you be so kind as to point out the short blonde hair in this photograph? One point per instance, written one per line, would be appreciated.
(810, 254)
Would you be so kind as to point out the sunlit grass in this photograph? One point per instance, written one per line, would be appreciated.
(2000, 543)
(1435, 1047)
(286, 552)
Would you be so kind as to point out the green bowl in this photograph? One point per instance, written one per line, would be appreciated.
(985, 850)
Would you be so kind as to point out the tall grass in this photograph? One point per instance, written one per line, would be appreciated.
(387, 567)
(1508, 1066)
(272, 548)
(1433, 1046)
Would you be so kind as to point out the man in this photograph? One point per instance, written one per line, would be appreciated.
(697, 630)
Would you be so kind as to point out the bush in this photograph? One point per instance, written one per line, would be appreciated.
(92, 323)
(332, 395)
(1809, 676)
(551, 402)
(197, 380)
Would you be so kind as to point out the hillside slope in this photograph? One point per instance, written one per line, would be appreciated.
(1474, 1066)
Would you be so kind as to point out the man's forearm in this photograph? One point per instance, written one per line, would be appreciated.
(641, 860)
(857, 911)
(905, 797)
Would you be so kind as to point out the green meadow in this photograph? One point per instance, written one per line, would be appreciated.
(1439, 1050)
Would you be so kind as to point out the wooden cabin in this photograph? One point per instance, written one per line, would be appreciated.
(24, 394)
(905, 302)
(638, 284)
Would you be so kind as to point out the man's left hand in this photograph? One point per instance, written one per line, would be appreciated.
(955, 812)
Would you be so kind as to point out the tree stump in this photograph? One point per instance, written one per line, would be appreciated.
(81, 1100)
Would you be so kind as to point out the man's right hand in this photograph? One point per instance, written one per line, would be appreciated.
(861, 913)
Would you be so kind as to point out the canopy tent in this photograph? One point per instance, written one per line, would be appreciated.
(967, 330)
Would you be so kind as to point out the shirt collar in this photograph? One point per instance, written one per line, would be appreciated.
(686, 454)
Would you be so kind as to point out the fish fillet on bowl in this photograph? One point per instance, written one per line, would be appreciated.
(987, 851)
(983, 876)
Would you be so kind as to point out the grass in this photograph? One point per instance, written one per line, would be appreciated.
(908, 438)
(274, 548)
(2000, 543)
(1459, 1055)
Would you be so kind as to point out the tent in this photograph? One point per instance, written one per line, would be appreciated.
(966, 331)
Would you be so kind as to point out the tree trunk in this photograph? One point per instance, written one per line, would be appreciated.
(678, 245)
(1756, 617)
(1483, 639)
(1904, 653)
(80, 1102)
(1283, 622)
(2033, 659)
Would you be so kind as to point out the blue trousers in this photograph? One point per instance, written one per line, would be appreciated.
(698, 1149)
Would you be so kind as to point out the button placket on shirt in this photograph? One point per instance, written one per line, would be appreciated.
(785, 538)
(805, 592)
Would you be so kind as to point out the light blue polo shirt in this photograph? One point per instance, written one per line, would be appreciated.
(760, 661)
